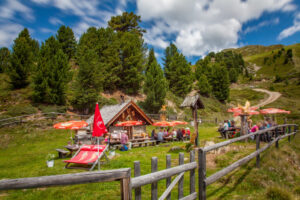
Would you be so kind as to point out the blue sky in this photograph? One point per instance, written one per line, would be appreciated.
(195, 26)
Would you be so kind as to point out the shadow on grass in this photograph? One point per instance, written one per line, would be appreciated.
(231, 189)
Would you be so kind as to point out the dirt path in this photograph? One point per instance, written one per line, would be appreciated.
(273, 96)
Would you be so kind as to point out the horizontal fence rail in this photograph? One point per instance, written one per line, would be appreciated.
(37, 116)
(205, 181)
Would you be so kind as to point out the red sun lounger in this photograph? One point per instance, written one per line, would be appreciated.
(88, 155)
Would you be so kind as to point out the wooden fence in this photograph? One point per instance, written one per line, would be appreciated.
(205, 181)
(128, 184)
(38, 116)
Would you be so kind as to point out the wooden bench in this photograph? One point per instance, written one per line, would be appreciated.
(138, 144)
(62, 153)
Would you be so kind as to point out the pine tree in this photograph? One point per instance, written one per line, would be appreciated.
(203, 85)
(132, 59)
(181, 78)
(52, 74)
(155, 85)
(22, 59)
(169, 54)
(233, 75)
(87, 85)
(4, 59)
(220, 82)
(127, 22)
(66, 38)
(110, 58)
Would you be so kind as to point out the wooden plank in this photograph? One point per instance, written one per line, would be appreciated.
(180, 183)
(65, 179)
(289, 131)
(213, 178)
(137, 172)
(192, 174)
(125, 189)
(163, 174)
(202, 174)
(276, 135)
(154, 184)
(192, 196)
(257, 148)
(168, 180)
(171, 186)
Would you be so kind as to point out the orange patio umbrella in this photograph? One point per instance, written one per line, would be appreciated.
(175, 123)
(238, 109)
(163, 124)
(71, 125)
(130, 123)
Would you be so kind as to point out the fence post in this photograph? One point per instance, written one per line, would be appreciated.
(295, 130)
(202, 174)
(168, 180)
(180, 182)
(137, 172)
(192, 173)
(257, 148)
(154, 185)
(277, 134)
(289, 131)
(125, 189)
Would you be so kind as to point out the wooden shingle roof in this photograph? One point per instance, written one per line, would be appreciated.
(192, 101)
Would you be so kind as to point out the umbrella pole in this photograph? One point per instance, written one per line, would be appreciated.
(98, 155)
(71, 137)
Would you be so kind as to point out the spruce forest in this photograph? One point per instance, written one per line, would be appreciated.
(64, 71)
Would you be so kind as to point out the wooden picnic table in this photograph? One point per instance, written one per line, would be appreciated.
(72, 148)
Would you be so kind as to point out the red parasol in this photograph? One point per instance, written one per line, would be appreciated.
(175, 123)
(163, 124)
(130, 123)
(274, 111)
(98, 128)
(238, 109)
(72, 125)
(252, 112)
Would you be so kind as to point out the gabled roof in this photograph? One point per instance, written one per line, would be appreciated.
(192, 101)
(111, 112)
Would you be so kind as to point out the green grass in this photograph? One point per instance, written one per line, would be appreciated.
(240, 96)
(23, 151)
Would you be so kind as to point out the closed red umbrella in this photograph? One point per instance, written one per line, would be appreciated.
(130, 123)
(274, 111)
(163, 124)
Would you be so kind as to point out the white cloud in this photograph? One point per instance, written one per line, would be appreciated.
(89, 12)
(46, 30)
(292, 29)
(8, 32)
(55, 21)
(12, 7)
(199, 26)
(261, 24)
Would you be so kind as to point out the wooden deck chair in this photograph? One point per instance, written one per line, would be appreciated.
(88, 155)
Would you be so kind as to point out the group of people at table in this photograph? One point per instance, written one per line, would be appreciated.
(229, 125)
(170, 135)
(161, 136)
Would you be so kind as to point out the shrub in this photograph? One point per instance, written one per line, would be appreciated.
(21, 109)
(271, 88)
(189, 147)
(276, 193)
(278, 79)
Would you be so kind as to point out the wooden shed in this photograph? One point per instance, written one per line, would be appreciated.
(124, 111)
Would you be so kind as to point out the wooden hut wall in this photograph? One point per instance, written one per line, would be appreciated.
(130, 114)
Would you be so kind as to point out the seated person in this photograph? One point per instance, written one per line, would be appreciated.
(124, 140)
(160, 136)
